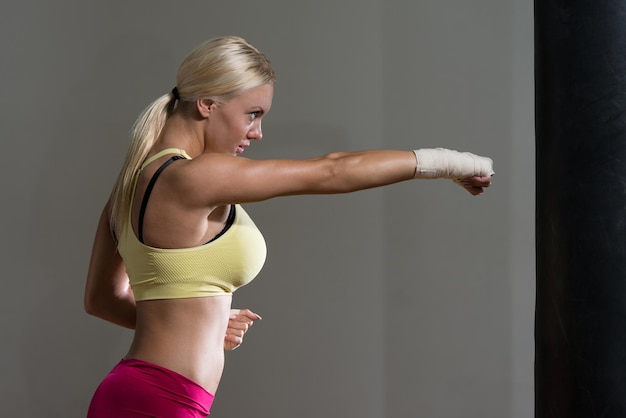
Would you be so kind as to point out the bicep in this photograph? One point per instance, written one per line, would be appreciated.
(225, 179)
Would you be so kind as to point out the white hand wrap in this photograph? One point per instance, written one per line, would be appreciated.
(449, 164)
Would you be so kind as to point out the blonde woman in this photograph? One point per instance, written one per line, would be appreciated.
(173, 242)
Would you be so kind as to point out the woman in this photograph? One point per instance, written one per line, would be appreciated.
(173, 242)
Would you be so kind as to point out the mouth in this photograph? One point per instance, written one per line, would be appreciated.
(241, 148)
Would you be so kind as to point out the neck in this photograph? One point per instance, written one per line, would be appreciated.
(182, 132)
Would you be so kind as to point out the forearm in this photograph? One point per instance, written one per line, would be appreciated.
(351, 171)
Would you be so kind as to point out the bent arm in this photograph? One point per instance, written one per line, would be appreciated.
(107, 292)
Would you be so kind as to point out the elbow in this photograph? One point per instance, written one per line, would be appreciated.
(118, 309)
(339, 174)
(90, 305)
(94, 304)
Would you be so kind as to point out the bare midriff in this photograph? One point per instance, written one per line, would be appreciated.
(185, 336)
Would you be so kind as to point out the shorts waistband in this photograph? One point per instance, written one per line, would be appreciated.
(199, 393)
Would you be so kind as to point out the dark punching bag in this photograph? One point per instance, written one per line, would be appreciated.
(580, 99)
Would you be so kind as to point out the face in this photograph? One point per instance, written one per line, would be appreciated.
(231, 126)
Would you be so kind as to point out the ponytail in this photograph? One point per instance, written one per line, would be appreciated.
(145, 132)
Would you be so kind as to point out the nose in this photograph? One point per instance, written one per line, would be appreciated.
(256, 132)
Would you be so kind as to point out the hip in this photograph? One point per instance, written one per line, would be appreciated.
(138, 388)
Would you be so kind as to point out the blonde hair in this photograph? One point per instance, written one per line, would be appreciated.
(217, 69)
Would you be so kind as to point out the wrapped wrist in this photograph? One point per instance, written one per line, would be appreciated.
(432, 163)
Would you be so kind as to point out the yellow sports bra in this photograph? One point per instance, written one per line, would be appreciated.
(229, 261)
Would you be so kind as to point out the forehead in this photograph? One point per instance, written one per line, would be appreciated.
(260, 96)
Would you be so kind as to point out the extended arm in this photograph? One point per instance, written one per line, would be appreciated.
(236, 179)
(107, 292)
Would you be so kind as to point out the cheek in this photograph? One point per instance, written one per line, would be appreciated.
(229, 129)
(239, 125)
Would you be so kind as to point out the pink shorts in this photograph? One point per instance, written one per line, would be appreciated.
(136, 388)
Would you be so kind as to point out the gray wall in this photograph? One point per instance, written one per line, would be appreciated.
(413, 300)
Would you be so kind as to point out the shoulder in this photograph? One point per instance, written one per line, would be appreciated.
(217, 166)
(204, 177)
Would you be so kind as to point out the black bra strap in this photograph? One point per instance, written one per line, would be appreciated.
(229, 222)
(146, 195)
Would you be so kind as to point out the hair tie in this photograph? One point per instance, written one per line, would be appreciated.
(175, 93)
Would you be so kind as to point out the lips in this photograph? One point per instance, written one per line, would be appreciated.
(241, 148)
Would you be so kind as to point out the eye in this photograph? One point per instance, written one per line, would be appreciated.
(254, 115)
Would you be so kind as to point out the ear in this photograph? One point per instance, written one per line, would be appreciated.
(205, 107)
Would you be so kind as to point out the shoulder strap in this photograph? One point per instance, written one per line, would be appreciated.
(146, 196)
(165, 152)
